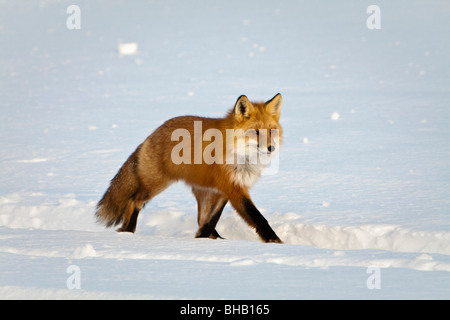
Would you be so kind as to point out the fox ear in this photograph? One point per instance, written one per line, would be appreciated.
(273, 106)
(242, 108)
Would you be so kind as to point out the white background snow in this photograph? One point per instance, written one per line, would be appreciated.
(364, 176)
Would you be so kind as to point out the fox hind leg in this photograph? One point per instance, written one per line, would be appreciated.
(131, 215)
(136, 203)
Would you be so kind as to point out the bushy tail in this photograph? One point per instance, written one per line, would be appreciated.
(111, 208)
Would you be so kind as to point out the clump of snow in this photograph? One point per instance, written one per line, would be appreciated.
(128, 48)
(84, 252)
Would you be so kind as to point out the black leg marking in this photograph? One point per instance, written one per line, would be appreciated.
(208, 229)
(131, 227)
(257, 220)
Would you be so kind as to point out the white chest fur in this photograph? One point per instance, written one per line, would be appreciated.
(247, 174)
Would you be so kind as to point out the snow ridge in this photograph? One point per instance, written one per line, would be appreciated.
(72, 214)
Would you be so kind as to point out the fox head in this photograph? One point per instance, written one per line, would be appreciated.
(259, 122)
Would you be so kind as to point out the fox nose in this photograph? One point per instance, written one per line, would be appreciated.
(271, 148)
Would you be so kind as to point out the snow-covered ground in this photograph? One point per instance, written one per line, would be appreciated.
(362, 194)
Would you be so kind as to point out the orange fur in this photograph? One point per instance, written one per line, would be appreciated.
(151, 168)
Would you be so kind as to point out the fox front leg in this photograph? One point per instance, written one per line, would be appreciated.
(247, 210)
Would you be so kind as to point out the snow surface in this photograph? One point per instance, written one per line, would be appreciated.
(364, 176)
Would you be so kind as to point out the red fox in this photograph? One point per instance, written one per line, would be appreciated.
(218, 170)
